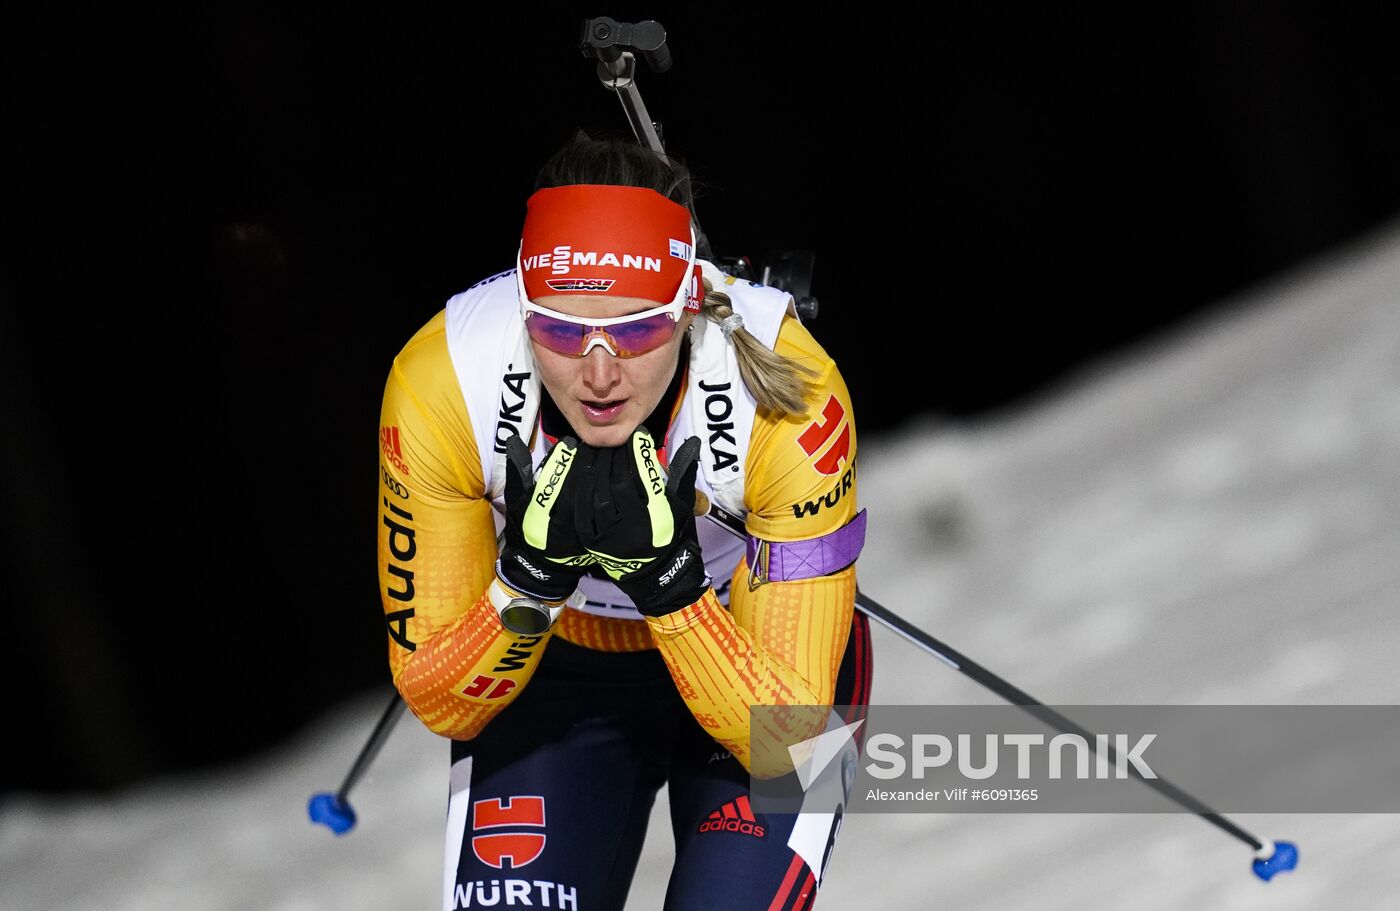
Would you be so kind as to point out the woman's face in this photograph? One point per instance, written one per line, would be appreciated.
(605, 397)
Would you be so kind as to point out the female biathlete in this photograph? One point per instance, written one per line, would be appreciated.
(608, 642)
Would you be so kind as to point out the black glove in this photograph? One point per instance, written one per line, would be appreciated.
(542, 556)
(639, 525)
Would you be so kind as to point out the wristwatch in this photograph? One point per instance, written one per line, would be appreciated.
(523, 614)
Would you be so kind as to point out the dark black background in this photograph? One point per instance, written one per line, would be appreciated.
(221, 226)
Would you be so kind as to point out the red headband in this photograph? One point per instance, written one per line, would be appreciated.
(619, 241)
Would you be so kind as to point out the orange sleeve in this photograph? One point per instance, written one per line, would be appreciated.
(453, 662)
(781, 644)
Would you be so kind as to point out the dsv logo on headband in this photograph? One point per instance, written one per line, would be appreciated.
(563, 257)
(580, 284)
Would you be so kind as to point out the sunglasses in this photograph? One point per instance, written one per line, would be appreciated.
(620, 336)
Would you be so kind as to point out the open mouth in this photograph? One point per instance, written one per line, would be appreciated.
(602, 412)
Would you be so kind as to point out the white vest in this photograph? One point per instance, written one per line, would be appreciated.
(496, 371)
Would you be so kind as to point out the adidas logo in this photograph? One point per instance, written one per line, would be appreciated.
(392, 449)
(735, 816)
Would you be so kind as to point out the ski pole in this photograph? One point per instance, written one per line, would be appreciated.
(1269, 857)
(333, 810)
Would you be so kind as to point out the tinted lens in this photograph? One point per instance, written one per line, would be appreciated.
(641, 335)
(555, 334)
(628, 339)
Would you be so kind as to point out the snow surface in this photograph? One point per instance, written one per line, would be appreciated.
(1211, 518)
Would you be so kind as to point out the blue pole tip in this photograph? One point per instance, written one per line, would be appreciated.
(332, 812)
(1282, 858)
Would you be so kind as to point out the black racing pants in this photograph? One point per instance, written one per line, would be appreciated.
(549, 804)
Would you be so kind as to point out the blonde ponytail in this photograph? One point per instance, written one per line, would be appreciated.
(779, 384)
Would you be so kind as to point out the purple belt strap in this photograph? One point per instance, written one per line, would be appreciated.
(789, 560)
